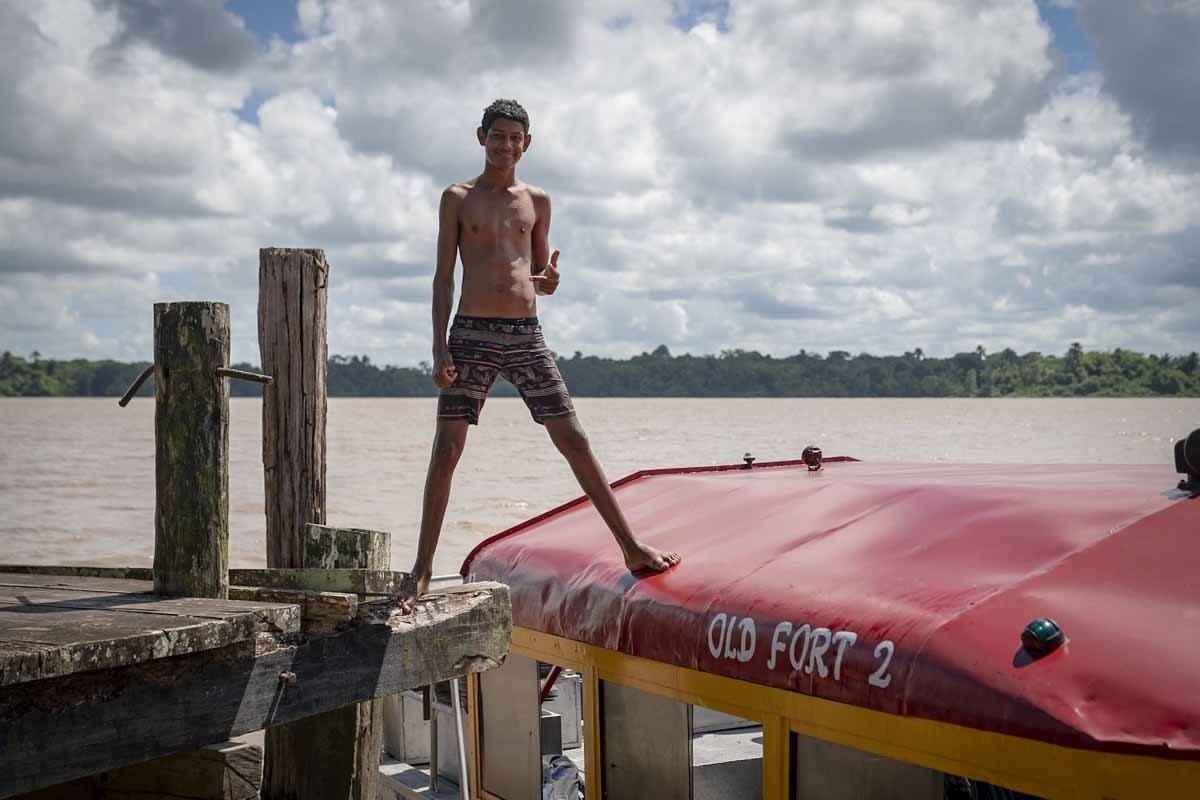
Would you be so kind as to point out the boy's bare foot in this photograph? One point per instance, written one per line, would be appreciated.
(408, 598)
(641, 557)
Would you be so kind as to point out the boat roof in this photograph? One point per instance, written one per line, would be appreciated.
(902, 588)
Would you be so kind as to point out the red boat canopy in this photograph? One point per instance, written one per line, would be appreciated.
(897, 587)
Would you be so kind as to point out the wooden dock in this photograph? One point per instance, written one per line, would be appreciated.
(98, 673)
(120, 681)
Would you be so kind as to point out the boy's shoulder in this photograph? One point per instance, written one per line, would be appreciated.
(536, 193)
(459, 190)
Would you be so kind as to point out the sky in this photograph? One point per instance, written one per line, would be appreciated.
(862, 175)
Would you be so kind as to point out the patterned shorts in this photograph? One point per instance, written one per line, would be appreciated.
(484, 347)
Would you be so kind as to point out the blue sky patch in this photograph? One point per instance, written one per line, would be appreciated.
(1069, 38)
(267, 18)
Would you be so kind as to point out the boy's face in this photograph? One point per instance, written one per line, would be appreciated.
(504, 142)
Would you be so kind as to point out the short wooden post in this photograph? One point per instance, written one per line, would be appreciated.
(191, 448)
(292, 341)
(335, 754)
(191, 533)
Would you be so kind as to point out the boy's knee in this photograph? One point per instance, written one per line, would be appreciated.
(446, 450)
(572, 439)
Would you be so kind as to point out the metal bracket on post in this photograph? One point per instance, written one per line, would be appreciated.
(222, 372)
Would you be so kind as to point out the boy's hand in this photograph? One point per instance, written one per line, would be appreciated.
(444, 371)
(547, 282)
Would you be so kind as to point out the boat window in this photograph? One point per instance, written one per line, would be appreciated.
(826, 771)
(560, 692)
(727, 754)
(531, 731)
(645, 742)
(510, 764)
(654, 746)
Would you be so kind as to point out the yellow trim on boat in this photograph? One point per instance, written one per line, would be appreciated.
(1026, 765)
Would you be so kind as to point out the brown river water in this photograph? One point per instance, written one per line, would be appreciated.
(77, 474)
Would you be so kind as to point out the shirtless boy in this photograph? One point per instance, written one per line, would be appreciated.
(500, 227)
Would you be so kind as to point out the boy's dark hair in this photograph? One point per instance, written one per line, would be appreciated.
(506, 109)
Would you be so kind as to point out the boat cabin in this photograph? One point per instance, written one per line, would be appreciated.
(868, 631)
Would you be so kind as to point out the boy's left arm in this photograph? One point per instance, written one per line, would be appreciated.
(544, 264)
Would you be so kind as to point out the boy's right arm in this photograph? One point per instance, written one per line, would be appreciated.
(444, 372)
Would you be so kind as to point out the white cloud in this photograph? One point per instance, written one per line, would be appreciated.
(840, 175)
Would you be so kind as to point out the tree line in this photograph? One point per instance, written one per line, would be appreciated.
(732, 373)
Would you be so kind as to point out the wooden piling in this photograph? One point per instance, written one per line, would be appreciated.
(334, 754)
(292, 340)
(191, 433)
(191, 519)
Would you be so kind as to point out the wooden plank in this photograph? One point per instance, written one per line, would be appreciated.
(279, 613)
(40, 641)
(223, 771)
(68, 581)
(131, 573)
(356, 581)
(322, 612)
(60, 729)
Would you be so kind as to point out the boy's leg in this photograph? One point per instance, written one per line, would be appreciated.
(568, 436)
(448, 442)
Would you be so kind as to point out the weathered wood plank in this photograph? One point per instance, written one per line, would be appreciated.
(83, 583)
(277, 613)
(59, 729)
(130, 573)
(191, 449)
(322, 612)
(39, 641)
(356, 581)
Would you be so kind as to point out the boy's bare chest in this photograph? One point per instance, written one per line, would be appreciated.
(486, 217)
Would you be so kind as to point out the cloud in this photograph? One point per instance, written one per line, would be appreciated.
(200, 32)
(758, 174)
(1151, 64)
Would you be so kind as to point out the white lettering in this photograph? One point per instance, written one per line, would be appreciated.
(747, 650)
(880, 677)
(730, 652)
(798, 663)
(777, 646)
(715, 647)
(821, 638)
(842, 639)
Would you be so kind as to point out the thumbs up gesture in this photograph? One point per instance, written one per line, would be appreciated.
(547, 281)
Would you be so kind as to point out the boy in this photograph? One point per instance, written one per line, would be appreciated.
(500, 228)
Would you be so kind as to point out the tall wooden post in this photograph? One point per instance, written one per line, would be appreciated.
(335, 754)
(292, 339)
(191, 444)
(292, 291)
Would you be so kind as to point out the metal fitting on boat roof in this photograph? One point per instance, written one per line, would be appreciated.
(1187, 460)
(812, 456)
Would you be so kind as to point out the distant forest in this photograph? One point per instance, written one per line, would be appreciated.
(732, 373)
